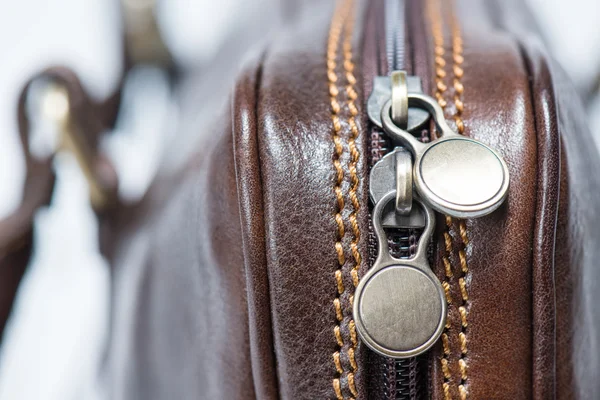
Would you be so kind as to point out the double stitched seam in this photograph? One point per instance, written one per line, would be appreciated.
(457, 58)
(435, 18)
(343, 21)
(354, 181)
(449, 242)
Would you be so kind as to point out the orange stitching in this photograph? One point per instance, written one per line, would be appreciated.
(354, 153)
(351, 384)
(463, 316)
(340, 283)
(337, 388)
(338, 336)
(458, 59)
(446, 287)
(354, 180)
(352, 327)
(463, 232)
(445, 343)
(336, 361)
(440, 73)
(342, 14)
(446, 387)
(334, 36)
(352, 360)
(435, 18)
(463, 392)
(463, 289)
(463, 342)
(463, 260)
(338, 309)
(445, 368)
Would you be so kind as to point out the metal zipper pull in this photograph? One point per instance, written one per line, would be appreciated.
(399, 305)
(455, 175)
(382, 92)
(393, 172)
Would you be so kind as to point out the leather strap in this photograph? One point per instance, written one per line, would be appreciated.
(89, 120)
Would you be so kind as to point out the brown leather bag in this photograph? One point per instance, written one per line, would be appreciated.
(235, 277)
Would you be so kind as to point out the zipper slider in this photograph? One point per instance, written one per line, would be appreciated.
(455, 175)
(382, 92)
(400, 305)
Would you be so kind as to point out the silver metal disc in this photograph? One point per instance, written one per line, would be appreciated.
(401, 311)
(462, 177)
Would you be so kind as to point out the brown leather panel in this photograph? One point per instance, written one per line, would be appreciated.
(544, 321)
(250, 190)
(179, 265)
(496, 349)
(577, 250)
(578, 228)
(297, 155)
(566, 278)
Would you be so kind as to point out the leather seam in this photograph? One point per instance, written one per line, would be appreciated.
(354, 182)
(343, 25)
(440, 89)
(538, 227)
(257, 87)
(239, 143)
(435, 15)
(335, 32)
(458, 72)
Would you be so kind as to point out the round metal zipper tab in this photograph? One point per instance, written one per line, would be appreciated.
(399, 306)
(455, 175)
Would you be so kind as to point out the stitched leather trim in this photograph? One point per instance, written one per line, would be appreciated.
(342, 23)
(354, 182)
(434, 12)
(457, 57)
(434, 15)
(332, 48)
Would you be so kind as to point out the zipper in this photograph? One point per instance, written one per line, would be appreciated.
(472, 182)
(392, 379)
(395, 37)
(402, 241)
(409, 378)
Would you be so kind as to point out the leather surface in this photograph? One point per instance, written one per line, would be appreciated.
(234, 294)
(578, 234)
(296, 152)
(559, 335)
(548, 188)
(575, 359)
(180, 326)
(497, 335)
(250, 187)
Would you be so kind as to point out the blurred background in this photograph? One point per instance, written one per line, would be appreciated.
(52, 345)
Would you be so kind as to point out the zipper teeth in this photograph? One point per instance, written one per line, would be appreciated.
(399, 62)
(395, 36)
(406, 374)
(391, 7)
